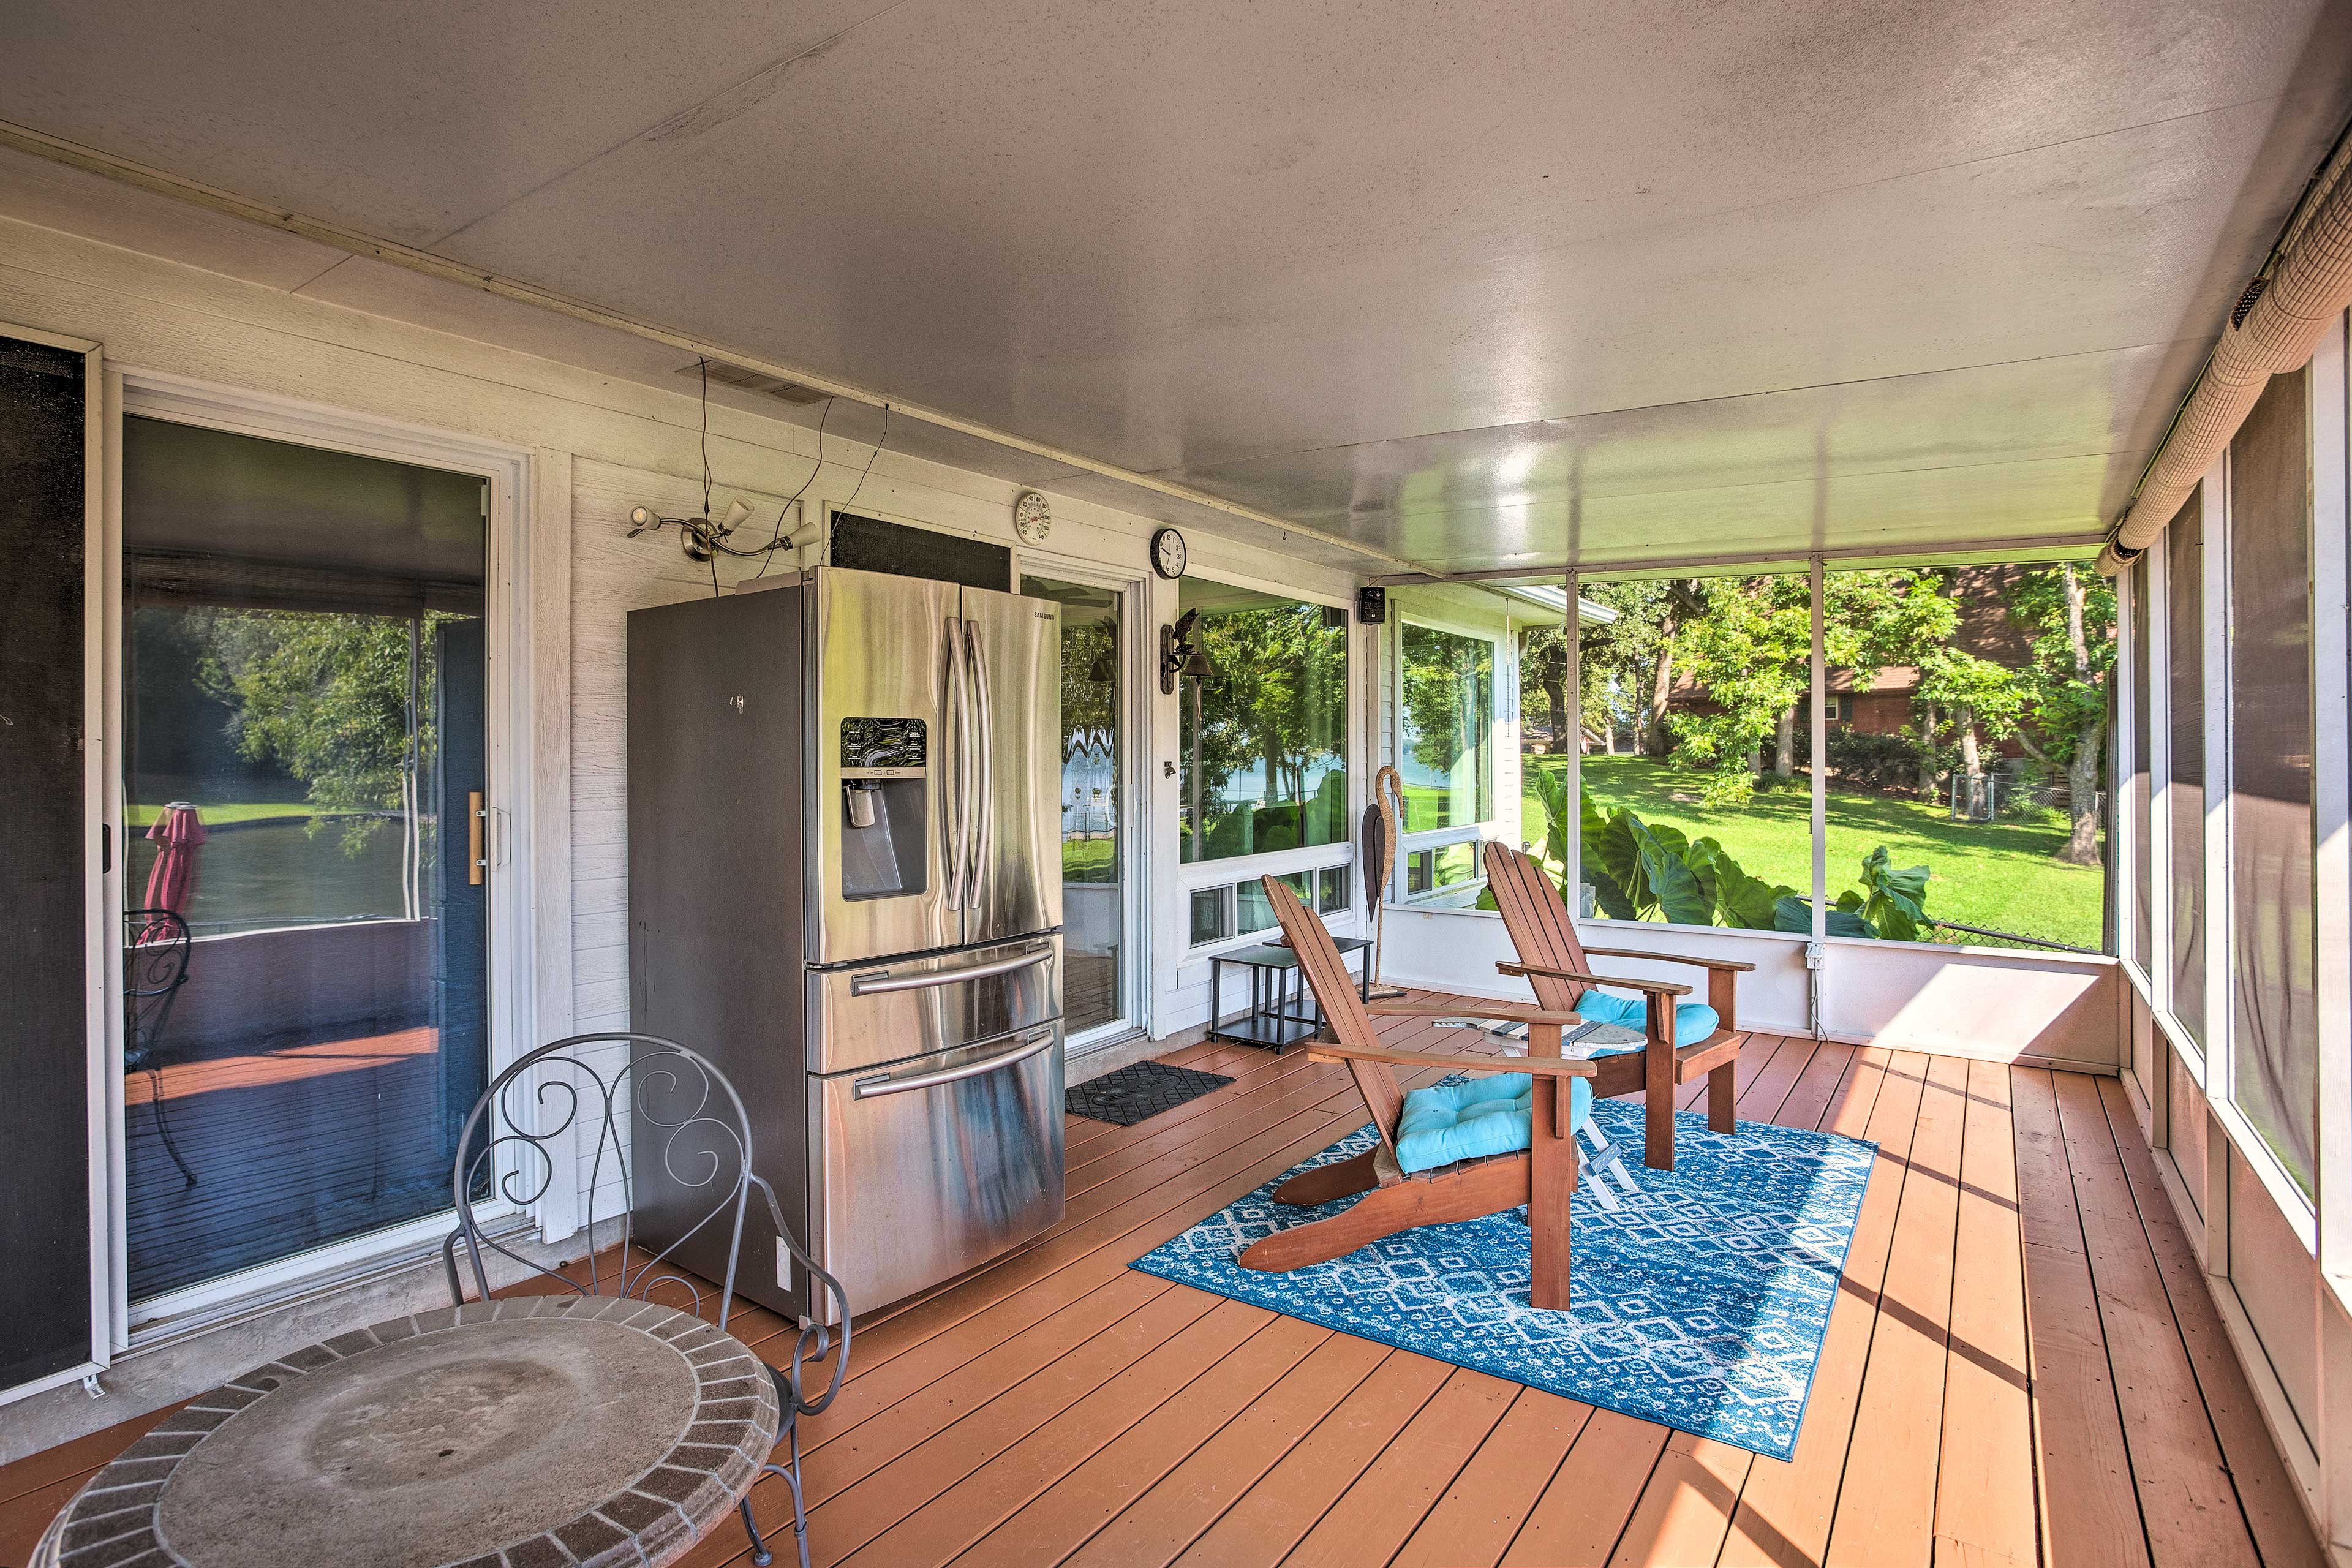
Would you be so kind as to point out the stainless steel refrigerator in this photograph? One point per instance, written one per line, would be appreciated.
(845, 886)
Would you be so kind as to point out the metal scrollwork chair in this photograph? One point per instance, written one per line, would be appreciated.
(519, 1135)
(154, 966)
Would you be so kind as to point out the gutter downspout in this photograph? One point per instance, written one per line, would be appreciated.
(2305, 284)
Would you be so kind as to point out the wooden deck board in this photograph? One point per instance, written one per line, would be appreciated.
(1057, 1407)
(2186, 1500)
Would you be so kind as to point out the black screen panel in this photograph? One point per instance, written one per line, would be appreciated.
(45, 1324)
(870, 544)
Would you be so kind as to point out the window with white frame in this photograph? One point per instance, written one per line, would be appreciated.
(1262, 735)
(1262, 743)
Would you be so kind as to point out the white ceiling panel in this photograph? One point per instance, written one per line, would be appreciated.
(1472, 283)
(410, 120)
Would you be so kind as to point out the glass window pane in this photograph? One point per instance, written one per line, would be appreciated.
(1093, 898)
(303, 729)
(2184, 627)
(1263, 736)
(1209, 915)
(2272, 956)
(1445, 734)
(2142, 729)
(1334, 896)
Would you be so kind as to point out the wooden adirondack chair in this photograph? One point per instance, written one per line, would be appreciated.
(1543, 1176)
(1559, 965)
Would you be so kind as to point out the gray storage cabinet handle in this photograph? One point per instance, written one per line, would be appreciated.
(883, 1083)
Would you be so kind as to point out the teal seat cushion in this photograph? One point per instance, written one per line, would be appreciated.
(1488, 1115)
(1693, 1021)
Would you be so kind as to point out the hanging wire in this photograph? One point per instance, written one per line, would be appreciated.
(794, 499)
(869, 460)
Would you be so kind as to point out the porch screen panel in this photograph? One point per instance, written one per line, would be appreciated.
(44, 1287)
(2185, 628)
(2272, 953)
(2143, 729)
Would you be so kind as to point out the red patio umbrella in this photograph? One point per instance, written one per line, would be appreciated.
(172, 882)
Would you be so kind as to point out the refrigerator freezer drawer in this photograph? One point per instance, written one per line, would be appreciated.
(893, 1009)
(935, 1166)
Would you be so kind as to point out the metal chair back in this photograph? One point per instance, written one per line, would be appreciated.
(155, 951)
(524, 1131)
(683, 1113)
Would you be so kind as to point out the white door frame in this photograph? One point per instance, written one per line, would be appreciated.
(515, 832)
(1135, 997)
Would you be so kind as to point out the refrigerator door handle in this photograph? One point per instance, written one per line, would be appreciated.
(883, 1083)
(984, 827)
(957, 784)
(881, 980)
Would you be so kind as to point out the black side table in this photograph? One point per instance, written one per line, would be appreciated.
(1274, 1018)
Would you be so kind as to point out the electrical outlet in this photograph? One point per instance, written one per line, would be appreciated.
(783, 1268)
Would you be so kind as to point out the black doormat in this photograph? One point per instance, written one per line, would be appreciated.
(1137, 1091)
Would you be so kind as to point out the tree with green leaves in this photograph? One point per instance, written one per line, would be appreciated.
(2068, 612)
(334, 699)
(1449, 710)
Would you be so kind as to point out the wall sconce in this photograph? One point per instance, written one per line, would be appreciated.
(1179, 654)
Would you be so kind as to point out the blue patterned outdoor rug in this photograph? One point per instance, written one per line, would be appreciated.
(1701, 1303)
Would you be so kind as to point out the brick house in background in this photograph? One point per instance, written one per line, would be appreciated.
(1985, 629)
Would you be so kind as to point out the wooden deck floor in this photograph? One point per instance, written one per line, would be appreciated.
(2024, 1367)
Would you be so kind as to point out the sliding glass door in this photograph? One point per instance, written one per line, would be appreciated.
(304, 935)
(1099, 885)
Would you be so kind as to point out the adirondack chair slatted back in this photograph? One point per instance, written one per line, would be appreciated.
(1335, 993)
(1538, 923)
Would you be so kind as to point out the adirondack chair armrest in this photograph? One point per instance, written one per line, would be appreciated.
(1473, 1007)
(1551, 1067)
(1658, 987)
(1725, 965)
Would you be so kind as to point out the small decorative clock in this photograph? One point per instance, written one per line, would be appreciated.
(1168, 554)
(1032, 520)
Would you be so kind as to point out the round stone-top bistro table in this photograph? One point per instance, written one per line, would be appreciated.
(555, 1429)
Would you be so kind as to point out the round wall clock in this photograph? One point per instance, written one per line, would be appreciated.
(1168, 554)
(1032, 520)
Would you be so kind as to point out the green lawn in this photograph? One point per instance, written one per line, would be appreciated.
(238, 811)
(2002, 875)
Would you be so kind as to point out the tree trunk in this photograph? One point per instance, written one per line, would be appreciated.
(2083, 797)
(1784, 752)
(1556, 703)
(2082, 767)
(1661, 690)
(1927, 726)
(1971, 764)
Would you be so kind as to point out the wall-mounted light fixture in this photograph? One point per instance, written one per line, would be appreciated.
(702, 538)
(1179, 654)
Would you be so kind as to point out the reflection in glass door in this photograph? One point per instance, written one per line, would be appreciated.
(1098, 951)
(305, 941)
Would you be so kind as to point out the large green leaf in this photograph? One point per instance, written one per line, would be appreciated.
(1743, 900)
(1706, 859)
(1611, 848)
(1551, 790)
(1676, 892)
(1792, 912)
(1897, 904)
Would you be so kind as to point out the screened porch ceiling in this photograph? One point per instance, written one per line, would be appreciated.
(1481, 289)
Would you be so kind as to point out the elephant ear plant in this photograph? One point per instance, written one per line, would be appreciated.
(1640, 870)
